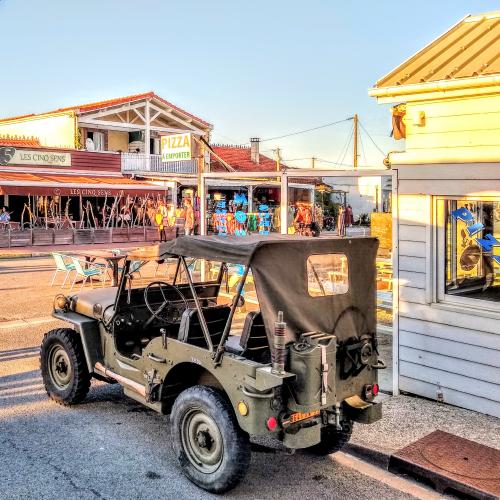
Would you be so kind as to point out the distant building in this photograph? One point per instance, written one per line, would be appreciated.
(447, 107)
(94, 149)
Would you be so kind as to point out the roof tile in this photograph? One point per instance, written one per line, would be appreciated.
(20, 141)
(239, 158)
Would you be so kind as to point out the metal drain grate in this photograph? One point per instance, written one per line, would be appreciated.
(451, 463)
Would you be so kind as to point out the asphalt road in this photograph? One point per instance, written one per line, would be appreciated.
(111, 447)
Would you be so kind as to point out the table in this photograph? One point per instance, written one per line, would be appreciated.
(112, 258)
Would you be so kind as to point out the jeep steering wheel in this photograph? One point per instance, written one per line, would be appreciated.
(167, 312)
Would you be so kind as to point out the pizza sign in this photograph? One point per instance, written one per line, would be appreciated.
(176, 147)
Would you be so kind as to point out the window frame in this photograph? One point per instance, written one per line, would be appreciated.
(440, 295)
(329, 294)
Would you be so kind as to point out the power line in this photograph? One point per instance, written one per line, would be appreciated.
(371, 139)
(346, 148)
(226, 137)
(306, 130)
(362, 147)
(332, 162)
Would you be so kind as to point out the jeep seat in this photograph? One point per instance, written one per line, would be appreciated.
(86, 302)
(253, 343)
(253, 340)
(190, 330)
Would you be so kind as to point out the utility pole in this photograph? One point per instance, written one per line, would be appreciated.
(355, 141)
(278, 159)
(313, 162)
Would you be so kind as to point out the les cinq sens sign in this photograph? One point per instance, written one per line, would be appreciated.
(176, 147)
(13, 156)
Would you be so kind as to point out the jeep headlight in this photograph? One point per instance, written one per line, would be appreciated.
(61, 302)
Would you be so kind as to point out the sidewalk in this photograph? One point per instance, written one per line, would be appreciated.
(42, 250)
(407, 418)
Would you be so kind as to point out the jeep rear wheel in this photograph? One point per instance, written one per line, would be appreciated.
(213, 452)
(64, 368)
(332, 439)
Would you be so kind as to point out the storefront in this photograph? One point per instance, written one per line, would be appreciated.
(299, 190)
(59, 196)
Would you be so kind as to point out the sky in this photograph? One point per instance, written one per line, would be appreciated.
(252, 69)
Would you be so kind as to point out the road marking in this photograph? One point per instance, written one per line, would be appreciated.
(383, 476)
(18, 323)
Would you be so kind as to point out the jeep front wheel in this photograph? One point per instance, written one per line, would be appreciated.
(213, 451)
(64, 368)
(332, 439)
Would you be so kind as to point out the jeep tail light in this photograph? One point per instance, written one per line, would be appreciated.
(272, 423)
(375, 389)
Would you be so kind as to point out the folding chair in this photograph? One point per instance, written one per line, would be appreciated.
(135, 267)
(61, 266)
(89, 272)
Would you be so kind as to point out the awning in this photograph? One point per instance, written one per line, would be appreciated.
(24, 184)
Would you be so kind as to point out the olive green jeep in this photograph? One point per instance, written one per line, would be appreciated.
(302, 370)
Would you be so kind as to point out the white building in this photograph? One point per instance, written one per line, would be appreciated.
(449, 215)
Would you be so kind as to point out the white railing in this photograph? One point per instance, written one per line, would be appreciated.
(135, 163)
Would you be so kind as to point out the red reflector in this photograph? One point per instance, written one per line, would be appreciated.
(375, 389)
(272, 423)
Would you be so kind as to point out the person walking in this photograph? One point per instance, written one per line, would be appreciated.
(159, 221)
(349, 218)
(303, 219)
(189, 217)
(341, 221)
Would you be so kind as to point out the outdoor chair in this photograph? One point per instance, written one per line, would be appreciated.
(86, 271)
(61, 266)
(159, 263)
(135, 267)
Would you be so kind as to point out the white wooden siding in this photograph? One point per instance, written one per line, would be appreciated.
(413, 264)
(457, 350)
(457, 398)
(472, 123)
(411, 248)
(412, 295)
(457, 334)
(448, 380)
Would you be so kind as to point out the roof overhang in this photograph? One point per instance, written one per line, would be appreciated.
(442, 89)
(133, 115)
(24, 184)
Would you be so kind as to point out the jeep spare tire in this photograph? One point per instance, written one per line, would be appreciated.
(63, 365)
(212, 450)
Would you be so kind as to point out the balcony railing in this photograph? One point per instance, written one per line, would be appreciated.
(136, 163)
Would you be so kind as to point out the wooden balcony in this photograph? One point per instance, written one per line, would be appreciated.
(137, 163)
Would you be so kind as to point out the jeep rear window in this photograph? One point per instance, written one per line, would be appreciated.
(327, 274)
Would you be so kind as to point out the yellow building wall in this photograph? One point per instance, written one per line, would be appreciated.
(117, 141)
(471, 122)
(57, 131)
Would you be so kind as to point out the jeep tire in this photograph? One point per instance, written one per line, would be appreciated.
(63, 365)
(332, 439)
(212, 450)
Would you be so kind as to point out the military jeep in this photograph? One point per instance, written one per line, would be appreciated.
(302, 370)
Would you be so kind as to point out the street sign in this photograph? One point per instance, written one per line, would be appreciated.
(176, 147)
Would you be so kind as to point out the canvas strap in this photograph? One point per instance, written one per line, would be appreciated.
(324, 373)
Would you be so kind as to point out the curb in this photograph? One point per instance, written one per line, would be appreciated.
(375, 457)
(23, 255)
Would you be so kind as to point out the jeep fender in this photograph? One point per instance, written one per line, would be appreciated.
(184, 375)
(88, 329)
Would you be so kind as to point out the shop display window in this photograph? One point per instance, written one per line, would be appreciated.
(472, 249)
(327, 274)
